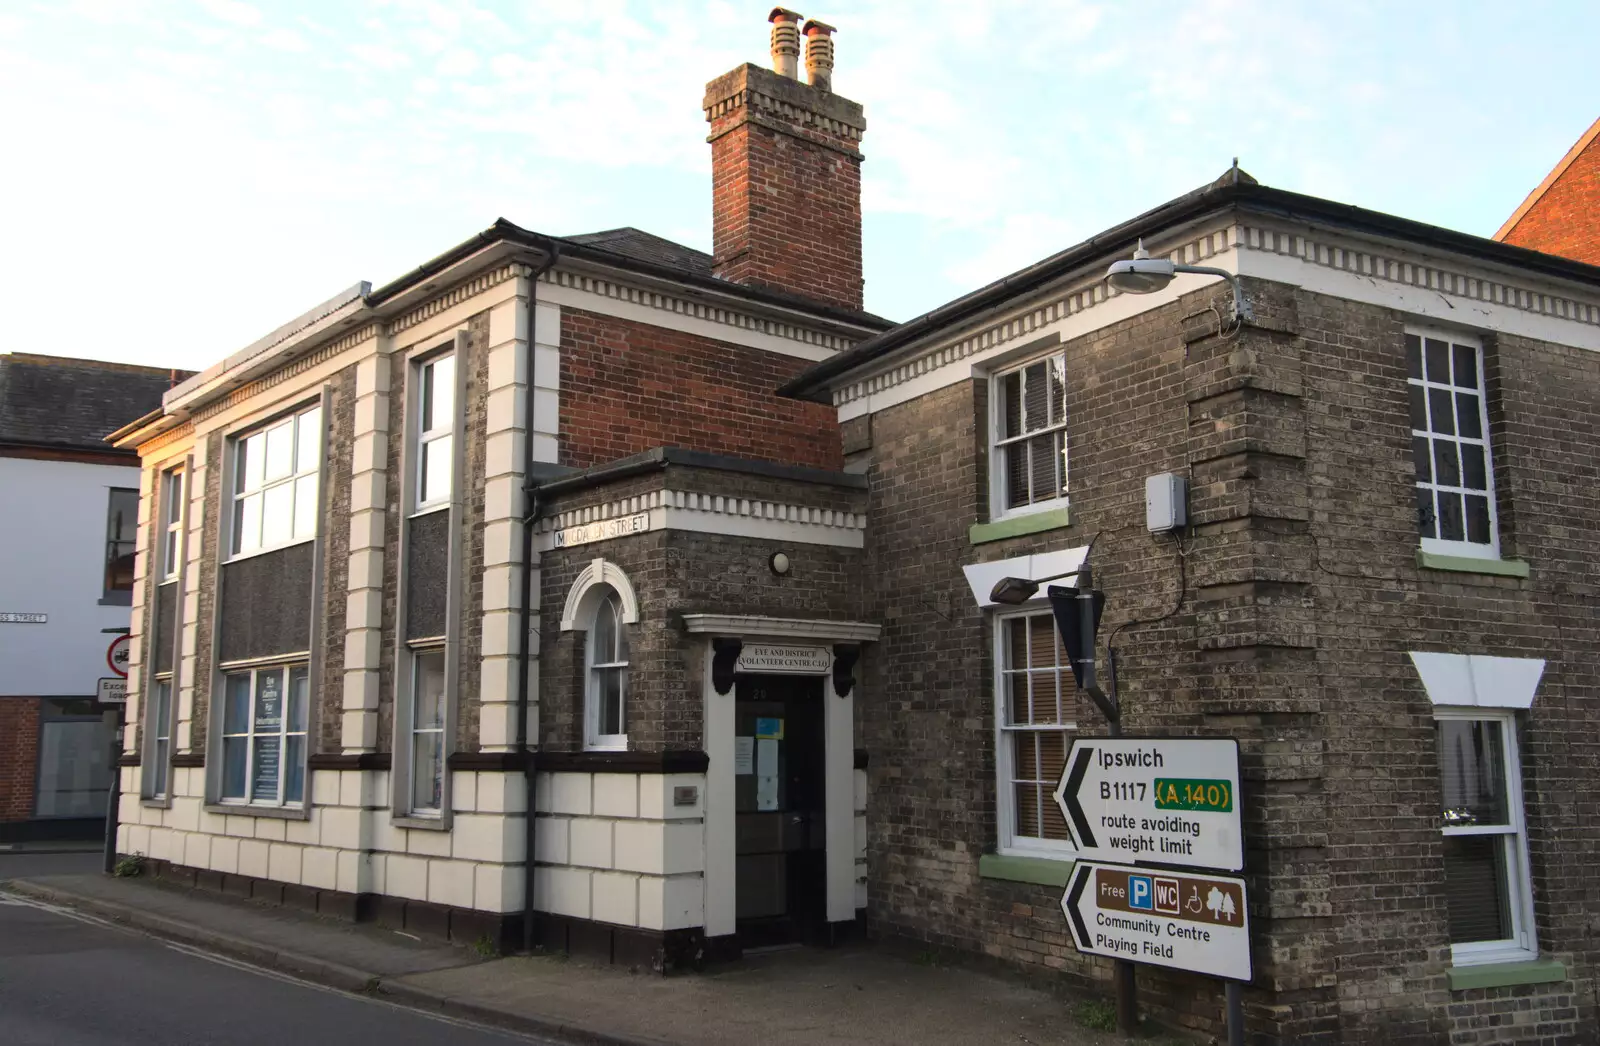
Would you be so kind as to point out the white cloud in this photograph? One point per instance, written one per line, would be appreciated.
(232, 11)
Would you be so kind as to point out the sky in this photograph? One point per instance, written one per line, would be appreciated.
(183, 176)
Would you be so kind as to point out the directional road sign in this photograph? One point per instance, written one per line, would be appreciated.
(1183, 920)
(1168, 801)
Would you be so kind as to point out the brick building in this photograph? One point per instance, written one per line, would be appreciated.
(66, 579)
(752, 685)
(349, 691)
(1562, 214)
(1385, 591)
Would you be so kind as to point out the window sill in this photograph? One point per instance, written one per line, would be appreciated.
(156, 802)
(239, 557)
(282, 813)
(424, 824)
(1041, 871)
(1016, 526)
(1506, 974)
(1472, 565)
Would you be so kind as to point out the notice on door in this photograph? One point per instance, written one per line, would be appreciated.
(766, 774)
(744, 755)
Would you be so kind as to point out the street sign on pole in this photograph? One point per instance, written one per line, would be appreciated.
(117, 656)
(1182, 920)
(1168, 801)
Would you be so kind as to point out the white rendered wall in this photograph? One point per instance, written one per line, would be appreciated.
(52, 561)
(616, 849)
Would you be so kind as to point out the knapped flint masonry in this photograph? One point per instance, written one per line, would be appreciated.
(1382, 590)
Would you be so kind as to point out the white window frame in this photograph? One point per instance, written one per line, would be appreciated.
(998, 441)
(444, 428)
(408, 806)
(1442, 546)
(172, 487)
(1523, 943)
(608, 602)
(250, 734)
(304, 421)
(157, 780)
(1007, 841)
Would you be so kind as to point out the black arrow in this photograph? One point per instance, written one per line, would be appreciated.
(1080, 766)
(1074, 919)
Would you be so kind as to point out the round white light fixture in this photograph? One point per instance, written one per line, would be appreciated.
(1143, 274)
(779, 563)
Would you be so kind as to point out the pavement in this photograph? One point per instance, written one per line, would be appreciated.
(860, 995)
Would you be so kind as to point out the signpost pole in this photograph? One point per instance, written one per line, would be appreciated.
(1123, 983)
(114, 795)
(1235, 1007)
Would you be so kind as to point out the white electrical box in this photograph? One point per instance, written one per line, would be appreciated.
(1166, 502)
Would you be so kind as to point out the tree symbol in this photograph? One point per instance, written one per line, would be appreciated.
(1220, 904)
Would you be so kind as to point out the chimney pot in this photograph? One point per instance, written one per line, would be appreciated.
(819, 55)
(785, 42)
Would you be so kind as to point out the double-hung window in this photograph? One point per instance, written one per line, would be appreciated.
(1028, 462)
(264, 716)
(160, 747)
(122, 529)
(606, 700)
(1450, 445)
(435, 429)
(275, 483)
(1487, 897)
(428, 704)
(1034, 720)
(171, 523)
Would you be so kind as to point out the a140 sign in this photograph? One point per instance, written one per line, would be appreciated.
(1172, 801)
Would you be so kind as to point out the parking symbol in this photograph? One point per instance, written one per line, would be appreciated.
(1139, 892)
(1167, 896)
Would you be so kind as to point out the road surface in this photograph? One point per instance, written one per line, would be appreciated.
(69, 981)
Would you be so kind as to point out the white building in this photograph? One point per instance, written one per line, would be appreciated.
(66, 581)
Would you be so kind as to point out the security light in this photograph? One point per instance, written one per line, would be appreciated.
(1143, 274)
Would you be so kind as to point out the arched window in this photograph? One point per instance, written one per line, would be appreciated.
(606, 682)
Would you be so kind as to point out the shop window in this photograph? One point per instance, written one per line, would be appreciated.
(264, 736)
(122, 527)
(1028, 445)
(606, 700)
(1487, 897)
(1450, 445)
(76, 759)
(1034, 718)
(275, 483)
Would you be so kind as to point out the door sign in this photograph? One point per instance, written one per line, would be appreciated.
(1182, 920)
(1171, 801)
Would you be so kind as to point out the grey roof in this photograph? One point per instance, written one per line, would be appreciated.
(56, 402)
(647, 247)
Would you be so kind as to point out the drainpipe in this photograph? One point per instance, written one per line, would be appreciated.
(530, 494)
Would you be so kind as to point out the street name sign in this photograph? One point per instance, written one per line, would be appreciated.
(1172, 801)
(1182, 920)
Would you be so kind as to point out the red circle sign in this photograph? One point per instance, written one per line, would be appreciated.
(117, 656)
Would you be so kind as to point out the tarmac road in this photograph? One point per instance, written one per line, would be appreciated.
(66, 980)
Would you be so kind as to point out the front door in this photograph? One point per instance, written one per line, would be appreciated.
(781, 877)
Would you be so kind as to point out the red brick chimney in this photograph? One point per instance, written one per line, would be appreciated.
(786, 172)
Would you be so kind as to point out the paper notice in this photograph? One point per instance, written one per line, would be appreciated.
(744, 755)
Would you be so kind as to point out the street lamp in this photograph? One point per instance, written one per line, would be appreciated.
(1014, 591)
(1143, 274)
